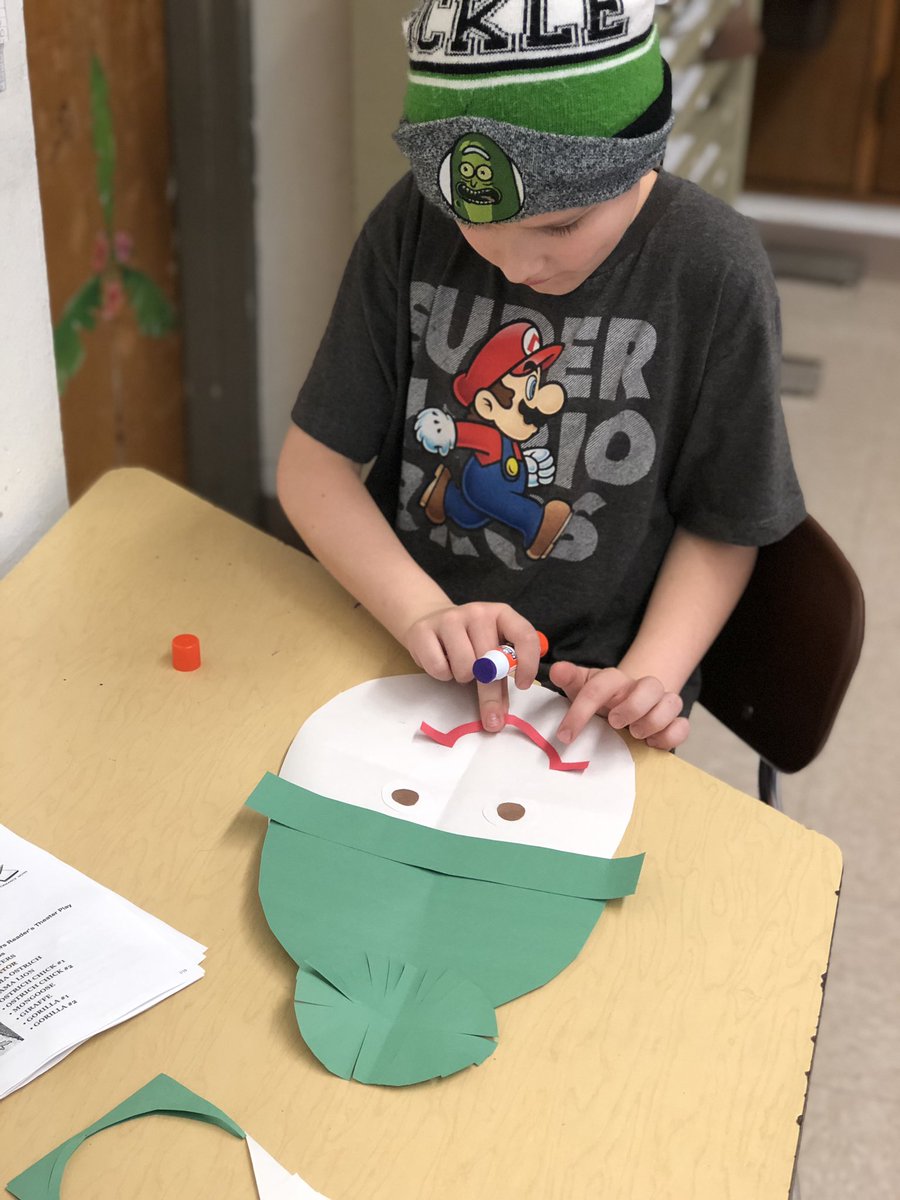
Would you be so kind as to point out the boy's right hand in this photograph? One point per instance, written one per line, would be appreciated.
(446, 642)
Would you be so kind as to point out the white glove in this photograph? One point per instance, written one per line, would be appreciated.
(436, 430)
(541, 467)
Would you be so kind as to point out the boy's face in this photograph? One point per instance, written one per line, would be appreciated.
(554, 253)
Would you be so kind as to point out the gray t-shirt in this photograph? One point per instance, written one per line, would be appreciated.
(646, 398)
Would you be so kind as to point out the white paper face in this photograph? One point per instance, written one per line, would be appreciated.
(364, 748)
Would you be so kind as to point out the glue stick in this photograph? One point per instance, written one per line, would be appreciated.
(499, 663)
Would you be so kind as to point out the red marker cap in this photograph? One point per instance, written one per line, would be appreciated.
(542, 642)
(186, 652)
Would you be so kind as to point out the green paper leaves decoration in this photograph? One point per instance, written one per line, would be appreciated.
(104, 140)
(103, 295)
(78, 315)
(155, 315)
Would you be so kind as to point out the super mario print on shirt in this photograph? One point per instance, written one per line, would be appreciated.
(540, 450)
(506, 389)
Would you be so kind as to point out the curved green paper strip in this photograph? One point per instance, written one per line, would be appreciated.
(165, 1095)
(534, 867)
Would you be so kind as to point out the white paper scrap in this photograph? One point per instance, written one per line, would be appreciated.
(273, 1181)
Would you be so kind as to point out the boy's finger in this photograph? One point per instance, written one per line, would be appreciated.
(644, 696)
(601, 689)
(459, 651)
(493, 704)
(429, 654)
(523, 636)
(569, 677)
(657, 719)
(670, 737)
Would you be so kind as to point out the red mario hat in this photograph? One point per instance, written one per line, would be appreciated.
(513, 350)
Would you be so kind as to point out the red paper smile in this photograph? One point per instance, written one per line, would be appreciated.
(452, 736)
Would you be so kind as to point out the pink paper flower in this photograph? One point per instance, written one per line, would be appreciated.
(113, 299)
(123, 246)
(99, 253)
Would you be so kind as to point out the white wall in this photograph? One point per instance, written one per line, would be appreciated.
(32, 472)
(304, 197)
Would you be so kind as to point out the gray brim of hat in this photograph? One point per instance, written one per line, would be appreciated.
(557, 171)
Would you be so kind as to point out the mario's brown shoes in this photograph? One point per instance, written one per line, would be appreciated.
(556, 517)
(432, 499)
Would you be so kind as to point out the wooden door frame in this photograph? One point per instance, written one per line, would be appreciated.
(211, 105)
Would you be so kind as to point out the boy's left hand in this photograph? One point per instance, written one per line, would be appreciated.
(643, 706)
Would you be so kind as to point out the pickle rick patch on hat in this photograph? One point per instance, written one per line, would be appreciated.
(422, 872)
(480, 182)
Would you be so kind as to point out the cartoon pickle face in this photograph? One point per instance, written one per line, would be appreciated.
(422, 872)
(480, 182)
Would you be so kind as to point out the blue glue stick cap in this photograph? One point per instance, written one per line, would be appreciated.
(495, 664)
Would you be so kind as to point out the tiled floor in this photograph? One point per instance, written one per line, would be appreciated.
(846, 442)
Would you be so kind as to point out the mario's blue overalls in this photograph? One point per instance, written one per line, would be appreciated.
(495, 491)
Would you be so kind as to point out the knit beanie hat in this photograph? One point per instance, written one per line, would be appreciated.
(519, 107)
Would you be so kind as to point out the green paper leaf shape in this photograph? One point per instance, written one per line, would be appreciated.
(79, 314)
(104, 141)
(155, 315)
(381, 1020)
(164, 1095)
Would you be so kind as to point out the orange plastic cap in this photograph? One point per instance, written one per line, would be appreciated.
(186, 652)
(542, 642)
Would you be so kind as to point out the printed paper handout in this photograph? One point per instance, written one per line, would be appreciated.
(75, 959)
(421, 881)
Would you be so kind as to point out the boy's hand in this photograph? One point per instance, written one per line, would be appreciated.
(446, 642)
(643, 706)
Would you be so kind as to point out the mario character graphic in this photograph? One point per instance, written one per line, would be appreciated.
(480, 182)
(504, 386)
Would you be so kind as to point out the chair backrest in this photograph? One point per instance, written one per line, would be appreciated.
(778, 671)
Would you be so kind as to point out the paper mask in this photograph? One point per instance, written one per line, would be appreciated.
(421, 879)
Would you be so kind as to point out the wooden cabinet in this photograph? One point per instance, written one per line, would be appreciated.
(98, 87)
(826, 117)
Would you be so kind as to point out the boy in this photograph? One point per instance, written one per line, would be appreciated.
(564, 363)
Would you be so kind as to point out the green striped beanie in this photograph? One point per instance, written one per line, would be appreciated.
(519, 107)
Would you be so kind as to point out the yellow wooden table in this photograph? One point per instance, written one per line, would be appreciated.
(667, 1062)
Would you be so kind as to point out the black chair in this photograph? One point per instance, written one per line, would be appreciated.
(778, 672)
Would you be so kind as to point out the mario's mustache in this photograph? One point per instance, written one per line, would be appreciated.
(533, 416)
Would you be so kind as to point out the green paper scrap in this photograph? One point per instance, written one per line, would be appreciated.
(405, 936)
(161, 1095)
(381, 1020)
(535, 867)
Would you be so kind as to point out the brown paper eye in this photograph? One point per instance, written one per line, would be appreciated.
(402, 796)
(510, 811)
(405, 796)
